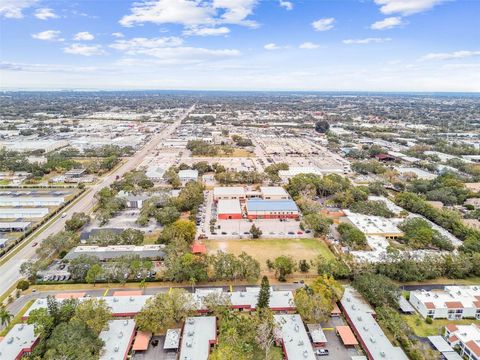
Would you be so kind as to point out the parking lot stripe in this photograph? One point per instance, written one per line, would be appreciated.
(106, 292)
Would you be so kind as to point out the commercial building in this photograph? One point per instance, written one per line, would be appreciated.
(31, 200)
(374, 225)
(117, 339)
(274, 193)
(293, 337)
(33, 145)
(115, 251)
(454, 302)
(229, 209)
(285, 175)
(271, 209)
(14, 226)
(416, 172)
(188, 175)
(18, 342)
(229, 193)
(155, 173)
(198, 337)
(466, 338)
(360, 317)
(22, 213)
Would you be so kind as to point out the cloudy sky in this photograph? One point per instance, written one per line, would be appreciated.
(374, 45)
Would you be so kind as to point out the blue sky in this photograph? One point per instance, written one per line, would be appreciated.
(374, 45)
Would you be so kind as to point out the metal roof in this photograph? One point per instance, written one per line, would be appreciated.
(198, 334)
(19, 339)
(229, 207)
(295, 339)
(271, 205)
(117, 339)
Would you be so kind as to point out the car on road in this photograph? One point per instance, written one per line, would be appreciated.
(291, 233)
(34, 244)
(322, 352)
(64, 215)
(299, 232)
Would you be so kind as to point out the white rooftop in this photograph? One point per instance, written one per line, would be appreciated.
(316, 333)
(188, 174)
(467, 295)
(117, 339)
(229, 191)
(198, 334)
(360, 315)
(296, 342)
(297, 170)
(172, 339)
(19, 339)
(373, 225)
(273, 191)
(229, 206)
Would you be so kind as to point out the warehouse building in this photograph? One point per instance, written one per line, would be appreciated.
(293, 337)
(453, 303)
(229, 193)
(360, 317)
(198, 337)
(104, 253)
(31, 200)
(272, 209)
(18, 342)
(374, 225)
(22, 213)
(188, 175)
(229, 209)
(274, 193)
(14, 226)
(117, 338)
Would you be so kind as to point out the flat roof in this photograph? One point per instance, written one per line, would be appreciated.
(225, 206)
(172, 339)
(296, 342)
(198, 334)
(316, 333)
(188, 174)
(405, 306)
(114, 251)
(273, 191)
(346, 334)
(360, 316)
(440, 343)
(21, 338)
(450, 297)
(14, 224)
(271, 205)
(142, 339)
(117, 339)
(373, 225)
(229, 191)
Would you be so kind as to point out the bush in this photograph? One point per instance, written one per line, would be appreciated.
(23, 285)
(429, 320)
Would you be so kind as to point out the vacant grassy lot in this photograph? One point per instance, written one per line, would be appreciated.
(264, 249)
(422, 329)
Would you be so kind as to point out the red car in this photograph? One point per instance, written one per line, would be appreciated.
(299, 232)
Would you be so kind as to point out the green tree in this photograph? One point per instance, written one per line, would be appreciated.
(94, 274)
(132, 237)
(264, 294)
(77, 221)
(284, 266)
(351, 236)
(5, 316)
(165, 310)
(318, 223)
(378, 290)
(180, 229)
(167, 215)
(95, 313)
(255, 232)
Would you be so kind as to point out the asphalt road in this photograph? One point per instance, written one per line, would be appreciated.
(10, 270)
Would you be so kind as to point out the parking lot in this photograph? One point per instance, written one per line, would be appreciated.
(126, 219)
(155, 352)
(334, 345)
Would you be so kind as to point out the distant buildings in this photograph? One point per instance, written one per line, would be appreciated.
(453, 303)
(31, 200)
(22, 213)
(103, 253)
(188, 175)
(374, 225)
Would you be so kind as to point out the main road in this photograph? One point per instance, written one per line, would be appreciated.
(10, 270)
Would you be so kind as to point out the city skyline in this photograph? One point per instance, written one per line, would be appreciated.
(379, 45)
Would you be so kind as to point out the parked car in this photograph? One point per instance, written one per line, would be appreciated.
(34, 244)
(322, 352)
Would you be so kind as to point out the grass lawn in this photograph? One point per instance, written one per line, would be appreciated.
(264, 249)
(422, 329)
(151, 238)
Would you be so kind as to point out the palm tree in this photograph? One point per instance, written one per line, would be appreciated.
(5, 316)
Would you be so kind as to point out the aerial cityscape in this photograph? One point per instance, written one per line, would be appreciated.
(239, 180)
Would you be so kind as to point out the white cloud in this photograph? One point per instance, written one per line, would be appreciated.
(286, 4)
(134, 45)
(206, 31)
(366, 41)
(461, 54)
(309, 46)
(323, 24)
(387, 23)
(406, 7)
(191, 12)
(118, 35)
(14, 8)
(84, 50)
(45, 14)
(48, 35)
(83, 36)
(272, 46)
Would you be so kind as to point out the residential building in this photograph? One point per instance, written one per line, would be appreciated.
(466, 337)
(271, 209)
(18, 342)
(117, 338)
(31, 200)
(103, 253)
(199, 334)
(374, 225)
(317, 335)
(360, 317)
(454, 302)
(293, 337)
(14, 226)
